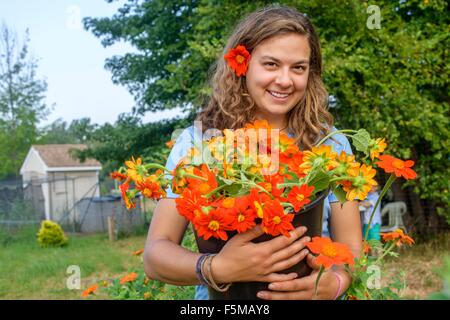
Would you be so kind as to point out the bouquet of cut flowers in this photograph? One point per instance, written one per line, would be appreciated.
(255, 174)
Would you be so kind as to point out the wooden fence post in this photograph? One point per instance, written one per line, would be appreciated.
(112, 228)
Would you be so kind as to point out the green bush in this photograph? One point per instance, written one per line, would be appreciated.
(51, 235)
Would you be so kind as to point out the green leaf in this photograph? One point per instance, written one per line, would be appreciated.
(361, 141)
(320, 180)
(340, 194)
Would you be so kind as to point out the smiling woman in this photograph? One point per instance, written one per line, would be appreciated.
(269, 73)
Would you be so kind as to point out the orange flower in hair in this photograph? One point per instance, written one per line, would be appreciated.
(237, 59)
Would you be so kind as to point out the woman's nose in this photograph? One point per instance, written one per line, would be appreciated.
(283, 78)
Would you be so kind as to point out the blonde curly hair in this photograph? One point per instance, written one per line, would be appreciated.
(230, 106)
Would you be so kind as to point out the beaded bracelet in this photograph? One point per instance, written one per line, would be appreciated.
(198, 269)
(210, 279)
(339, 279)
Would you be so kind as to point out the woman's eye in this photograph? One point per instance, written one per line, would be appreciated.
(270, 64)
(299, 68)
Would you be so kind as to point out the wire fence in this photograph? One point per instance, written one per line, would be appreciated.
(76, 209)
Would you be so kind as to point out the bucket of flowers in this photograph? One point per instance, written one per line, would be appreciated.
(254, 175)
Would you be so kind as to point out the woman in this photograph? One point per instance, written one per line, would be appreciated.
(282, 85)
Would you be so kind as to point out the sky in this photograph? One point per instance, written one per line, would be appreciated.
(72, 59)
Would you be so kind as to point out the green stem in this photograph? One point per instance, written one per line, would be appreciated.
(215, 190)
(342, 178)
(190, 175)
(256, 186)
(317, 280)
(288, 184)
(287, 204)
(157, 166)
(333, 133)
(383, 192)
(389, 249)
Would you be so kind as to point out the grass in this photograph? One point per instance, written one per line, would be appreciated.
(420, 263)
(31, 272)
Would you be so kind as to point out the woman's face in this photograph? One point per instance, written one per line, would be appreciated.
(277, 75)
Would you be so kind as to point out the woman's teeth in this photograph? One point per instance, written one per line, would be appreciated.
(279, 95)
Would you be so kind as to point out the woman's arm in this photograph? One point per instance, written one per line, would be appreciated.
(164, 258)
(346, 228)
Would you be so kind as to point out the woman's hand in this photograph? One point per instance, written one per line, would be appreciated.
(242, 260)
(303, 288)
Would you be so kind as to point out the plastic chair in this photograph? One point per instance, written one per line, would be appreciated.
(395, 211)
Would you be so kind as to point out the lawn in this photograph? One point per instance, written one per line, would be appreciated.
(31, 272)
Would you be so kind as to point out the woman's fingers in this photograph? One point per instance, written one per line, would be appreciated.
(311, 261)
(282, 241)
(289, 262)
(289, 251)
(278, 277)
(249, 235)
(296, 295)
(300, 284)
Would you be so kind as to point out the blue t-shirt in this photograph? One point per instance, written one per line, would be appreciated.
(189, 136)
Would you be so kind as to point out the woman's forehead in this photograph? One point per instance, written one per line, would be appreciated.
(292, 48)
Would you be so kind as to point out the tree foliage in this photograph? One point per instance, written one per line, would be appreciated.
(21, 101)
(393, 81)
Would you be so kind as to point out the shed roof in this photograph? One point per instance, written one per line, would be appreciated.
(59, 155)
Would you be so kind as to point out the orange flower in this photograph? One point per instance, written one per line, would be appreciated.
(257, 200)
(213, 224)
(138, 252)
(170, 144)
(397, 166)
(118, 176)
(398, 236)
(129, 278)
(124, 190)
(90, 290)
(366, 247)
(299, 196)
(190, 203)
(243, 215)
(237, 59)
(150, 189)
(205, 185)
(275, 221)
(330, 253)
(270, 184)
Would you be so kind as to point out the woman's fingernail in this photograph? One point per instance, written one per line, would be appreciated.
(260, 295)
(272, 286)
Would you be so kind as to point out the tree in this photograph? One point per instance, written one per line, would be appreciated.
(392, 80)
(21, 102)
(78, 131)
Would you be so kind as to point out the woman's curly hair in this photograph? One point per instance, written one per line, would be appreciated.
(230, 106)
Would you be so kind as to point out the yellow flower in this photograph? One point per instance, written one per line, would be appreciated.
(377, 147)
(134, 170)
(361, 183)
(321, 156)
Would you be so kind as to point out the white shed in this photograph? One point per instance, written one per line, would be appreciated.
(61, 179)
